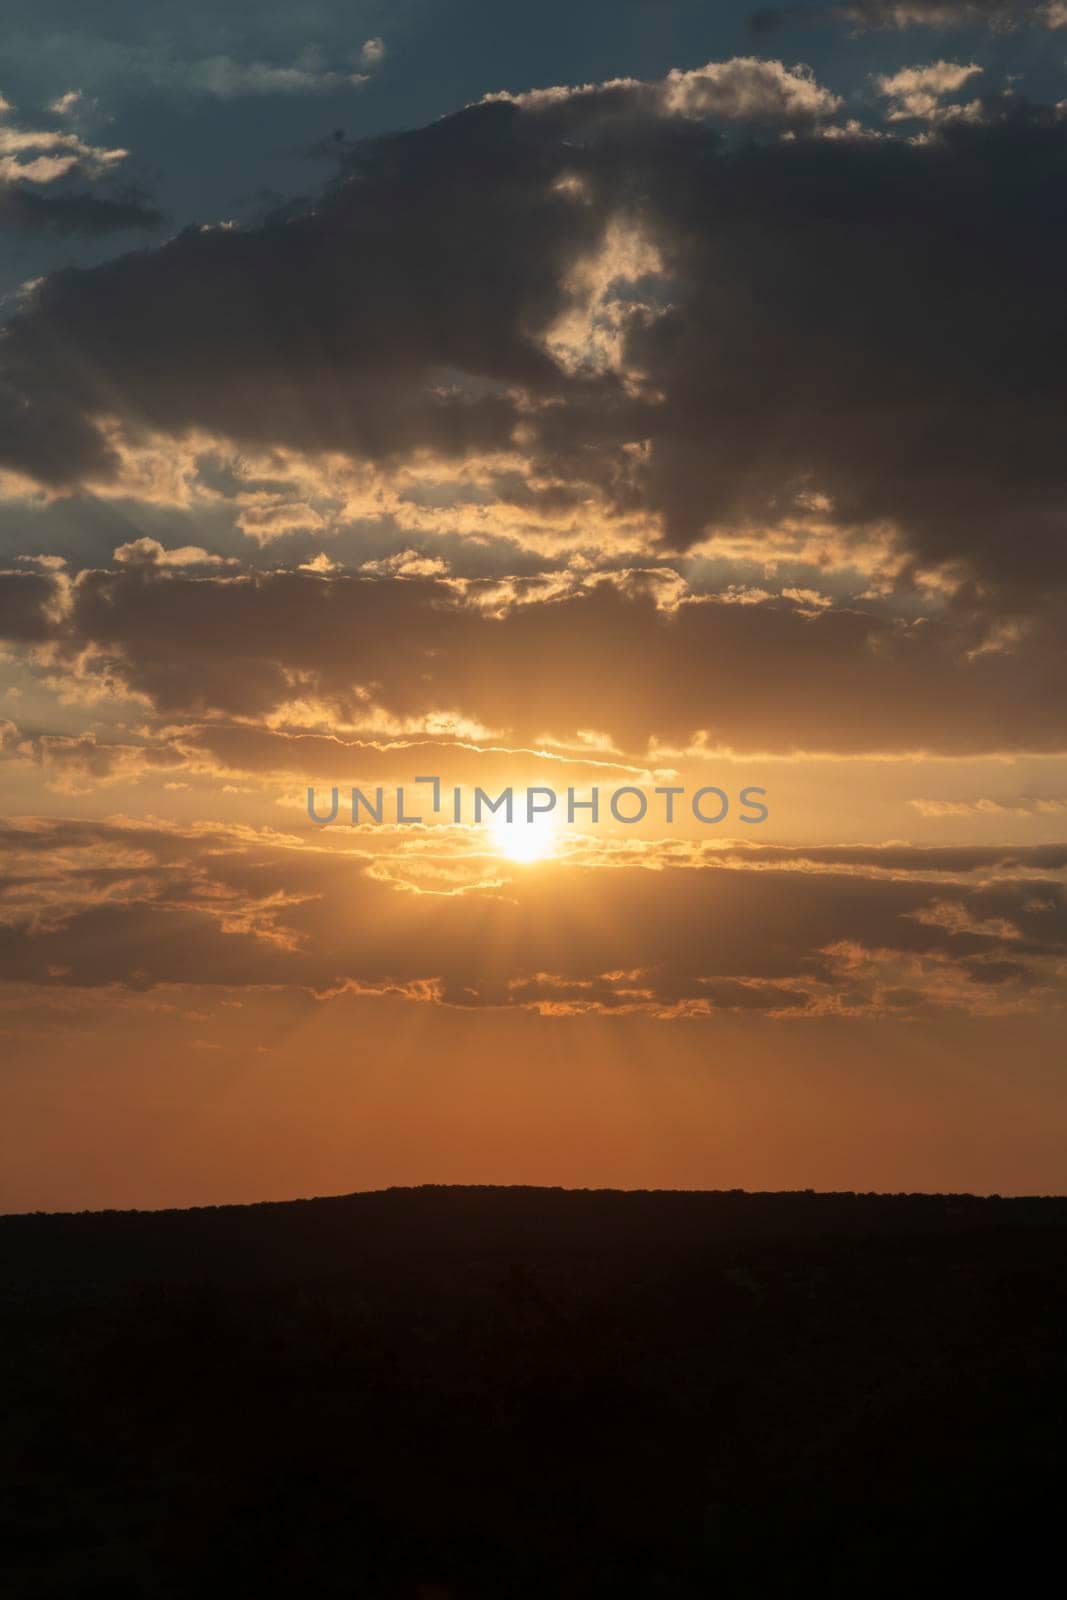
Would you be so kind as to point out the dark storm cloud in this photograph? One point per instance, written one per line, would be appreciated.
(428, 261)
(876, 320)
(1000, 15)
(756, 677)
(83, 211)
(27, 606)
(133, 904)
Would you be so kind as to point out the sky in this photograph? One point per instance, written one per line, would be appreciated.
(650, 400)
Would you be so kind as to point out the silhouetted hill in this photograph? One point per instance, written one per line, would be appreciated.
(279, 1240)
(491, 1393)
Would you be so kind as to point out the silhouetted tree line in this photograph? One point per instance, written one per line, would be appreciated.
(484, 1393)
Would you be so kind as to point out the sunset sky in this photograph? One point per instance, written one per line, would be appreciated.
(633, 395)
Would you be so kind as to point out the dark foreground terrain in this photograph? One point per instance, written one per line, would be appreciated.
(525, 1392)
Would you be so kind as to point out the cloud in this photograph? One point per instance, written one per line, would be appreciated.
(1001, 16)
(748, 89)
(28, 605)
(271, 756)
(628, 317)
(400, 655)
(407, 564)
(42, 155)
(745, 88)
(65, 104)
(372, 53)
(918, 93)
(223, 78)
(139, 904)
(225, 75)
(127, 207)
(149, 552)
(77, 763)
(40, 169)
(989, 808)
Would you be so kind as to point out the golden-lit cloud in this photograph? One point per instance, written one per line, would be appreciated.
(665, 929)
(628, 364)
(508, 661)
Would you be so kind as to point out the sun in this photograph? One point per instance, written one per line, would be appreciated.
(524, 841)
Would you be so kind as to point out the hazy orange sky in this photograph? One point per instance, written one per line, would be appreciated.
(656, 413)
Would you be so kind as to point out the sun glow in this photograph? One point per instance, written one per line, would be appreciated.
(524, 841)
